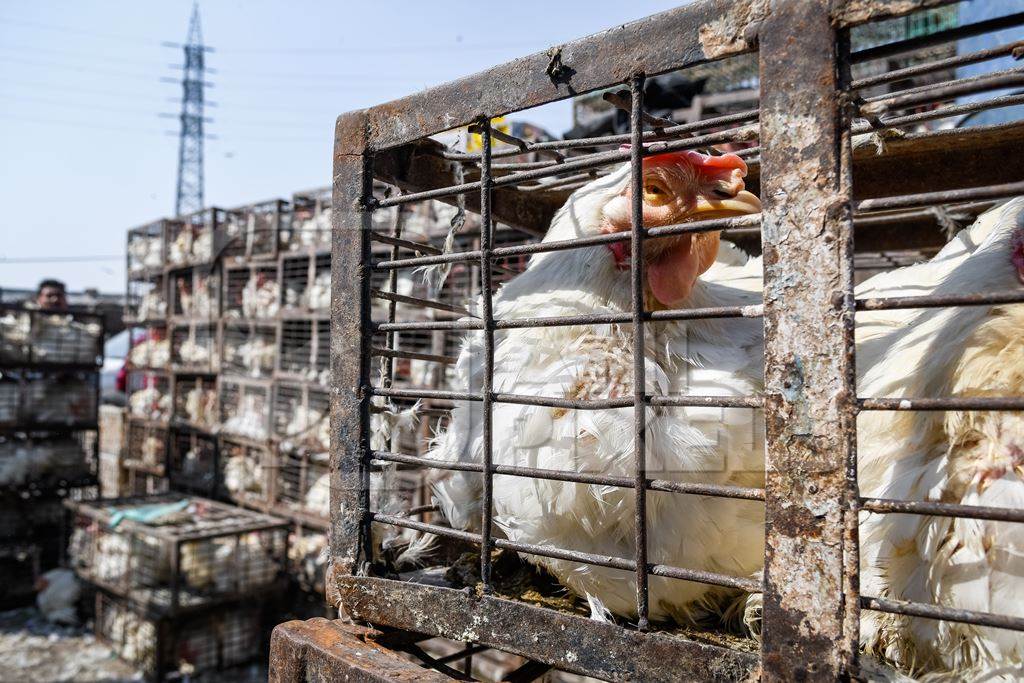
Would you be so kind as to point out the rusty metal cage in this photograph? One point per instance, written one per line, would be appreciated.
(836, 110)
(164, 648)
(310, 227)
(252, 232)
(147, 248)
(146, 447)
(145, 299)
(251, 292)
(47, 339)
(148, 347)
(195, 401)
(176, 553)
(192, 461)
(141, 483)
(48, 399)
(195, 347)
(304, 349)
(306, 284)
(195, 293)
(195, 239)
(41, 461)
(244, 472)
(248, 348)
(149, 395)
(245, 407)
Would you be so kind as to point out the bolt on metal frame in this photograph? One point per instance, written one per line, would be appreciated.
(810, 583)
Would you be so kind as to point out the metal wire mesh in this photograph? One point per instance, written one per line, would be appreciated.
(195, 348)
(192, 462)
(249, 348)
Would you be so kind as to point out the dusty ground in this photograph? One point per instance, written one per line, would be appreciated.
(32, 649)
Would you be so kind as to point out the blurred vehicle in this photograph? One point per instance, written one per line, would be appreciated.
(115, 351)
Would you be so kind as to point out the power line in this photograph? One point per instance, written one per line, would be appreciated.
(61, 259)
(79, 31)
(74, 53)
(81, 69)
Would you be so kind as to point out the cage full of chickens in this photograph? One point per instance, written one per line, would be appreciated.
(310, 225)
(251, 292)
(37, 463)
(195, 645)
(194, 239)
(175, 553)
(195, 401)
(244, 472)
(195, 347)
(192, 461)
(304, 348)
(685, 443)
(306, 284)
(145, 299)
(41, 339)
(34, 400)
(149, 347)
(195, 293)
(149, 395)
(146, 447)
(245, 407)
(147, 248)
(252, 232)
(248, 348)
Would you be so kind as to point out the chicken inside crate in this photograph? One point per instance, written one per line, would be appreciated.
(40, 461)
(149, 395)
(146, 299)
(251, 232)
(48, 399)
(245, 407)
(249, 348)
(186, 647)
(304, 349)
(173, 552)
(662, 440)
(195, 347)
(146, 254)
(146, 446)
(245, 468)
(251, 292)
(302, 435)
(193, 240)
(307, 555)
(195, 401)
(148, 347)
(192, 461)
(195, 293)
(45, 338)
(310, 226)
(306, 284)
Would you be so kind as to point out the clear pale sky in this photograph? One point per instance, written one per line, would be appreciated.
(85, 156)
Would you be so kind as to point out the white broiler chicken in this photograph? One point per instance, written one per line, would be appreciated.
(974, 458)
(260, 296)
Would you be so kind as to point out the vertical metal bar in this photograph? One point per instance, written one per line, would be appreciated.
(486, 314)
(808, 632)
(636, 154)
(350, 349)
(396, 231)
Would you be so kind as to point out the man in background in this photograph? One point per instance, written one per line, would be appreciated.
(51, 295)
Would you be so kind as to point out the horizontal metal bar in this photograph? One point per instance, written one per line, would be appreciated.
(921, 609)
(944, 197)
(413, 355)
(994, 514)
(945, 112)
(417, 301)
(712, 225)
(668, 486)
(475, 324)
(918, 42)
(407, 244)
(698, 576)
(936, 65)
(943, 403)
(938, 92)
(890, 303)
(706, 401)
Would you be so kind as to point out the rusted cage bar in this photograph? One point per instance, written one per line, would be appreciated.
(252, 232)
(195, 239)
(831, 122)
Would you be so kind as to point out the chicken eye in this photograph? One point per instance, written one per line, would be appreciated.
(722, 194)
(655, 194)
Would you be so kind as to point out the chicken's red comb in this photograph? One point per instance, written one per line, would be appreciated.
(709, 161)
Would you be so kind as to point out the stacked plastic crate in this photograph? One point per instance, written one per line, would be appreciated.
(49, 393)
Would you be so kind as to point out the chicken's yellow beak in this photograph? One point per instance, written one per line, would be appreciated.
(742, 204)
